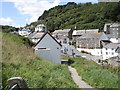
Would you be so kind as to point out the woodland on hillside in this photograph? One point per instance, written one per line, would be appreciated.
(81, 16)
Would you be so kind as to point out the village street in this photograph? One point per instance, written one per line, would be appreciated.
(87, 56)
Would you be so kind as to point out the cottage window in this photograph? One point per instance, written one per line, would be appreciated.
(106, 53)
(112, 53)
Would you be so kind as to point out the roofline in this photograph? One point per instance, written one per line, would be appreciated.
(51, 36)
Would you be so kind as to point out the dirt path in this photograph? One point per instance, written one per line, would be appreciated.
(77, 79)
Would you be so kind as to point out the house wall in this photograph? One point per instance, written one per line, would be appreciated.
(40, 28)
(96, 52)
(24, 33)
(115, 40)
(64, 40)
(55, 49)
(68, 49)
(34, 40)
(108, 53)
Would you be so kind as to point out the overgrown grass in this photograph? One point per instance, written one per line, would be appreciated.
(94, 74)
(20, 60)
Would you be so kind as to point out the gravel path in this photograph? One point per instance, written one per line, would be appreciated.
(78, 80)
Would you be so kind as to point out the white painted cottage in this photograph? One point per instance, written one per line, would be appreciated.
(24, 32)
(109, 50)
(40, 27)
(49, 48)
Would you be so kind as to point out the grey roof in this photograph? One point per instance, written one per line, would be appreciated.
(90, 40)
(91, 35)
(36, 35)
(62, 32)
(80, 32)
(112, 46)
(112, 36)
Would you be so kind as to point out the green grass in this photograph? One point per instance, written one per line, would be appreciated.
(20, 60)
(94, 74)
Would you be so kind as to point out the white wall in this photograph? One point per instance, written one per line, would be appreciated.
(55, 48)
(108, 53)
(23, 32)
(34, 40)
(114, 40)
(96, 52)
(40, 28)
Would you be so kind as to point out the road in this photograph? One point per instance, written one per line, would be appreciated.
(87, 56)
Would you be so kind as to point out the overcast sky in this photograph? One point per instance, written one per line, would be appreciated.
(21, 12)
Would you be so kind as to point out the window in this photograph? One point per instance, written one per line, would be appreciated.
(106, 48)
(112, 48)
(106, 53)
(112, 53)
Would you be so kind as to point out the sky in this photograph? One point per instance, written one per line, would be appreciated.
(18, 13)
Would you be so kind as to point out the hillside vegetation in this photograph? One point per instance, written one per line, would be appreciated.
(83, 16)
(18, 59)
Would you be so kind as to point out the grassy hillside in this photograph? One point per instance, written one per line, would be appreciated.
(96, 75)
(83, 16)
(18, 59)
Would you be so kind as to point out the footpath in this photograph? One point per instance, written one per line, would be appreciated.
(78, 80)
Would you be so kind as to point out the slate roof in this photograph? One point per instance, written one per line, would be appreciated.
(90, 40)
(62, 32)
(51, 37)
(80, 32)
(111, 46)
(36, 35)
(113, 36)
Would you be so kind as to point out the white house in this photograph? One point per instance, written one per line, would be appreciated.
(49, 48)
(64, 36)
(40, 27)
(112, 30)
(68, 49)
(109, 51)
(24, 32)
(91, 43)
(78, 33)
(35, 36)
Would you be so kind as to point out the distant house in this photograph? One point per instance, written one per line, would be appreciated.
(68, 49)
(40, 27)
(49, 48)
(24, 32)
(112, 30)
(91, 43)
(35, 36)
(109, 50)
(64, 36)
(78, 33)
